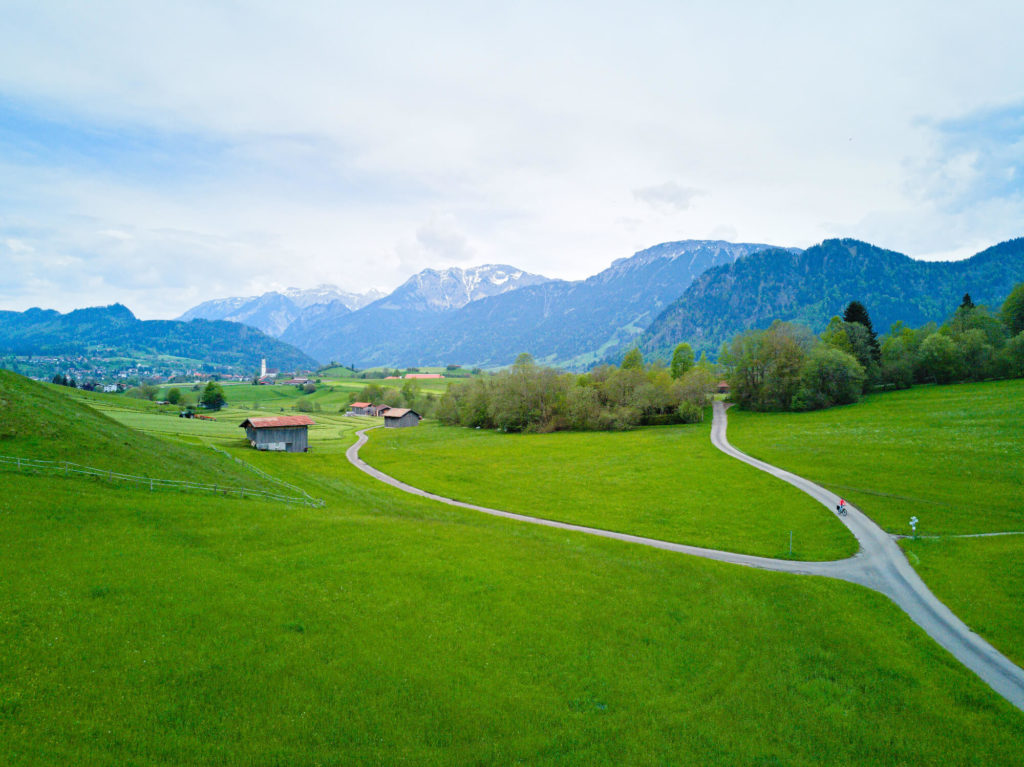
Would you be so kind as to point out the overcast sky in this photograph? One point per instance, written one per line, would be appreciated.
(161, 154)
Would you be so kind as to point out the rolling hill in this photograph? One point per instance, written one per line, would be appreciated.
(115, 331)
(814, 285)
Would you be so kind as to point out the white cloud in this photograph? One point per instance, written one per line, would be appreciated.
(669, 196)
(164, 156)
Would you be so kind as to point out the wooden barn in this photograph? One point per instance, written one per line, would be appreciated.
(286, 433)
(400, 417)
(361, 408)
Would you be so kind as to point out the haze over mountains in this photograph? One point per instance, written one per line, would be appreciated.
(273, 312)
(700, 291)
(115, 331)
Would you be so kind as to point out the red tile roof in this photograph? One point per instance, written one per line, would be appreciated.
(278, 420)
(361, 404)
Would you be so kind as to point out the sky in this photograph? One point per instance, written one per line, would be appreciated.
(160, 155)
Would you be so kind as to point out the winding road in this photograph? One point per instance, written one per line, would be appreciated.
(879, 565)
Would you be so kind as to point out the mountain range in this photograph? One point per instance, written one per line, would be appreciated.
(571, 324)
(486, 315)
(814, 285)
(273, 312)
(115, 331)
(698, 291)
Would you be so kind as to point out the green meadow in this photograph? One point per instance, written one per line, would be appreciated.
(162, 628)
(665, 482)
(953, 456)
(979, 579)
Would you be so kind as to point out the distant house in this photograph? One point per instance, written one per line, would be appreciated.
(361, 408)
(723, 387)
(423, 375)
(400, 417)
(297, 381)
(286, 433)
(379, 409)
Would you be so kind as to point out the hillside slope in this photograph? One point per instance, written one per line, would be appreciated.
(814, 285)
(40, 421)
(115, 329)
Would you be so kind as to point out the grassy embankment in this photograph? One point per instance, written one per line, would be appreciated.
(140, 628)
(662, 482)
(951, 455)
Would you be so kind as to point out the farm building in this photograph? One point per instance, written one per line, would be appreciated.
(400, 417)
(723, 387)
(361, 408)
(379, 409)
(286, 433)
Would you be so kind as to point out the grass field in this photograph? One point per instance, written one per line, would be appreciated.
(43, 422)
(951, 455)
(142, 628)
(661, 482)
(981, 580)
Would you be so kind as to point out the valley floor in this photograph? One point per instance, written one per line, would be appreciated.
(164, 628)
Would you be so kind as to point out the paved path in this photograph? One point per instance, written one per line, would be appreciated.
(879, 565)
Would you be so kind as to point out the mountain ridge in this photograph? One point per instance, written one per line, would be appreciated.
(812, 286)
(115, 328)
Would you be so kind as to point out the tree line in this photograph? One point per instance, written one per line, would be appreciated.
(786, 367)
(783, 367)
(532, 397)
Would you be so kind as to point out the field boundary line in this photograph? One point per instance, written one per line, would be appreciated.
(69, 468)
(270, 477)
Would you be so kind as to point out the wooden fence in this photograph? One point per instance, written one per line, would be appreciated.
(67, 469)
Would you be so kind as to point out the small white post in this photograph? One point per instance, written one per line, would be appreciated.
(913, 526)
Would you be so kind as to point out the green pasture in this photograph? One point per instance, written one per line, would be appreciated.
(664, 482)
(44, 422)
(163, 628)
(953, 456)
(225, 427)
(981, 580)
(152, 628)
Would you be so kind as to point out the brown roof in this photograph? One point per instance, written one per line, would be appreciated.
(361, 404)
(398, 412)
(278, 420)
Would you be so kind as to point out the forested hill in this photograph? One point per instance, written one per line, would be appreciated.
(814, 285)
(116, 330)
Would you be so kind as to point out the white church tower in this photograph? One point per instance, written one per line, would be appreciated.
(263, 368)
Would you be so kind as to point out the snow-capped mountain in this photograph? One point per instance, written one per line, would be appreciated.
(442, 290)
(405, 315)
(273, 312)
(325, 294)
